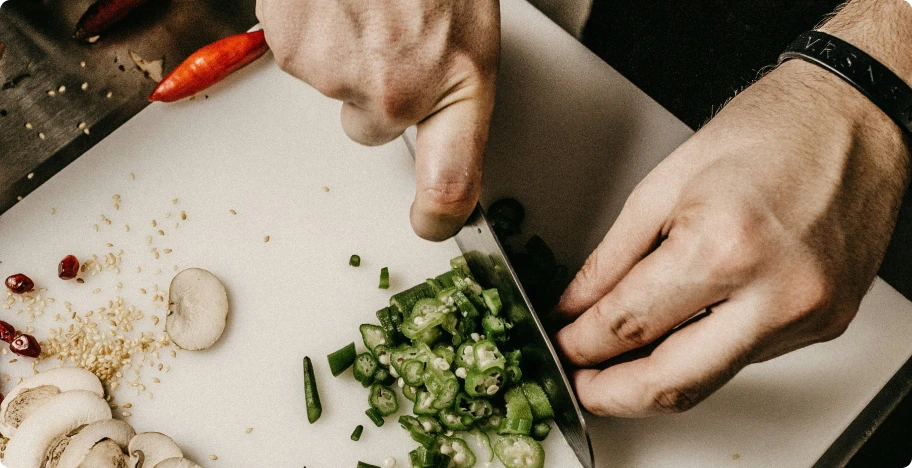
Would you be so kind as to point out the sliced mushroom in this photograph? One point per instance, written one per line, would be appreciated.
(35, 391)
(197, 309)
(176, 463)
(149, 448)
(81, 443)
(105, 454)
(62, 414)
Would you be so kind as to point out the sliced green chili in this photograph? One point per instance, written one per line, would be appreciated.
(342, 359)
(488, 356)
(375, 416)
(311, 396)
(356, 434)
(373, 336)
(492, 300)
(519, 451)
(456, 448)
(540, 431)
(413, 372)
(404, 301)
(484, 383)
(383, 376)
(519, 413)
(384, 278)
(355, 260)
(453, 421)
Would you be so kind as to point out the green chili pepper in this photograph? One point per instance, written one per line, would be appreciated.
(342, 359)
(311, 396)
(404, 301)
(519, 451)
(390, 322)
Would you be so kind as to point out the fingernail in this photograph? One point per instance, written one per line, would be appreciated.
(434, 228)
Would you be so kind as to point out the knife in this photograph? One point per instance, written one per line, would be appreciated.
(487, 260)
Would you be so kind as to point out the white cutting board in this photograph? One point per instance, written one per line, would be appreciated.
(571, 138)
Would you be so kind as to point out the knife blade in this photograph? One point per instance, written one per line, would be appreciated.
(488, 262)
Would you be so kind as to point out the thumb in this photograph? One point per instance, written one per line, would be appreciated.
(450, 152)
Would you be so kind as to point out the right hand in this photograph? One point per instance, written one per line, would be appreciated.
(398, 63)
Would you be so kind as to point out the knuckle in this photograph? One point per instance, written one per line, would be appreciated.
(623, 325)
(451, 195)
(734, 248)
(674, 399)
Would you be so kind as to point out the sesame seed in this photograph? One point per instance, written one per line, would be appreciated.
(85, 86)
(132, 176)
(232, 212)
(41, 135)
(110, 93)
(52, 93)
(82, 64)
(127, 227)
(85, 130)
(266, 239)
(19, 198)
(167, 251)
(154, 223)
(30, 175)
(213, 457)
(326, 189)
(128, 405)
(28, 125)
(126, 414)
(96, 228)
(96, 290)
(81, 125)
(161, 233)
(61, 89)
(174, 202)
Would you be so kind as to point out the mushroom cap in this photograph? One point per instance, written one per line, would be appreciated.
(61, 415)
(105, 454)
(176, 462)
(154, 446)
(63, 379)
(197, 309)
(85, 440)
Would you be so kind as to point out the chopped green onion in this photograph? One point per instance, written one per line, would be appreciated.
(311, 396)
(342, 359)
(355, 261)
(356, 434)
(384, 278)
(375, 416)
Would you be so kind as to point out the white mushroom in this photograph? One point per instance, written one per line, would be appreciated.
(61, 415)
(150, 448)
(105, 454)
(80, 444)
(38, 389)
(176, 463)
(197, 309)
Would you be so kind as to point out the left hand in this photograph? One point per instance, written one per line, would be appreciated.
(775, 216)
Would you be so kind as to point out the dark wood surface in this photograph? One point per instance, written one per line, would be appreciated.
(691, 56)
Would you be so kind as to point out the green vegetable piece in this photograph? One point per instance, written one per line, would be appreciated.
(342, 359)
(484, 383)
(375, 416)
(383, 377)
(410, 393)
(488, 356)
(456, 448)
(465, 355)
(447, 354)
(465, 305)
(399, 355)
(384, 278)
(538, 401)
(492, 300)
(485, 441)
(383, 353)
(495, 328)
(491, 423)
(373, 336)
(519, 413)
(365, 368)
(513, 374)
(355, 260)
(475, 408)
(413, 372)
(390, 321)
(420, 431)
(356, 434)
(453, 421)
(541, 430)
(435, 285)
(460, 264)
(404, 301)
(515, 426)
(424, 403)
(383, 399)
(311, 396)
(447, 394)
(519, 451)
(361, 464)
(446, 279)
(423, 457)
(514, 357)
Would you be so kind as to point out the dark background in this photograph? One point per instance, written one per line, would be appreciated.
(693, 55)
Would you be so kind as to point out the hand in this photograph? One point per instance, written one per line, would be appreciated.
(397, 63)
(775, 217)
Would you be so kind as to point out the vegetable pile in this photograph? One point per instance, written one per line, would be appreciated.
(445, 344)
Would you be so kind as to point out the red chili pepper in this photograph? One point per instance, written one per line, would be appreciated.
(102, 15)
(209, 65)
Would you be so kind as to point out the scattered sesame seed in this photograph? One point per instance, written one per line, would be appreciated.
(19, 198)
(96, 290)
(85, 130)
(52, 93)
(266, 239)
(174, 202)
(249, 430)
(41, 135)
(61, 89)
(154, 223)
(84, 86)
(53, 211)
(183, 215)
(81, 125)
(213, 457)
(28, 125)
(126, 414)
(128, 405)
(326, 189)
(30, 175)
(232, 212)
(167, 251)
(127, 227)
(132, 176)
(82, 64)
(161, 233)
(110, 93)
(80, 281)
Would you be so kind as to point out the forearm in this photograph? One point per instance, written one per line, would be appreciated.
(882, 28)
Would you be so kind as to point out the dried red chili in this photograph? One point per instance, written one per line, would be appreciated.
(102, 15)
(68, 267)
(26, 345)
(19, 283)
(7, 332)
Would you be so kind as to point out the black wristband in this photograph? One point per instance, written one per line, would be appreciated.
(886, 90)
